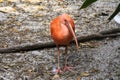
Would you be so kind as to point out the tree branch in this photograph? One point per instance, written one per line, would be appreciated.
(37, 46)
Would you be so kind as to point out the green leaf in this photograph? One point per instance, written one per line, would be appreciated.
(87, 3)
(117, 10)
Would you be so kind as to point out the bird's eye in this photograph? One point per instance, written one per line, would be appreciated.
(66, 22)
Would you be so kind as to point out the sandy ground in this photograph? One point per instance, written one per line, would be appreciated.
(27, 21)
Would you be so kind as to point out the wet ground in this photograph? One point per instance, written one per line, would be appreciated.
(27, 21)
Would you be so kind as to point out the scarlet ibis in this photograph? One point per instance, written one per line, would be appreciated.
(62, 32)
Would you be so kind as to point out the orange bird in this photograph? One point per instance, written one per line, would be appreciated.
(63, 31)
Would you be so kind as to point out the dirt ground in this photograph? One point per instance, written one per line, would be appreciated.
(27, 21)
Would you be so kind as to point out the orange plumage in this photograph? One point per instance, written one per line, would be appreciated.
(62, 31)
(59, 32)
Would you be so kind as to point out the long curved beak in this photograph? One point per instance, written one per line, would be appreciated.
(73, 33)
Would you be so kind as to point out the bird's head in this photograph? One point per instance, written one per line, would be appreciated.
(65, 20)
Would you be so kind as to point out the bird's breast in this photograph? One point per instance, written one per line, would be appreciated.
(61, 36)
(60, 33)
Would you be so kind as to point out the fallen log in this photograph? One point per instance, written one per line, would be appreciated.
(37, 46)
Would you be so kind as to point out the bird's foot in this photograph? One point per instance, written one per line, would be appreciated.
(57, 71)
(68, 68)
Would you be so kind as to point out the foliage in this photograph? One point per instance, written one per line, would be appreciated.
(89, 2)
(117, 10)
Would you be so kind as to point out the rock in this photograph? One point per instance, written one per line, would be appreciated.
(2, 16)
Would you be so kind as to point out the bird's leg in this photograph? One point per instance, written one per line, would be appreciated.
(66, 67)
(66, 56)
(58, 54)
